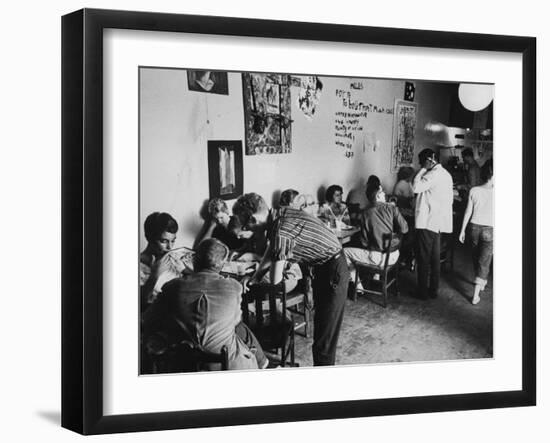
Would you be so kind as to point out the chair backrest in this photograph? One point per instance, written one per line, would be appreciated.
(275, 295)
(387, 240)
(183, 356)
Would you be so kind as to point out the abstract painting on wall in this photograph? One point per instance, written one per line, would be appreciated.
(267, 113)
(213, 82)
(404, 130)
(225, 168)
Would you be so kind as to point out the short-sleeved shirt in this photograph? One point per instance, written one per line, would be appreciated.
(380, 219)
(301, 238)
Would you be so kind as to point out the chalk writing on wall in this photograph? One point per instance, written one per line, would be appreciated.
(350, 118)
(404, 129)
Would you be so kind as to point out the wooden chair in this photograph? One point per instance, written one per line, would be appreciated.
(272, 326)
(389, 275)
(183, 356)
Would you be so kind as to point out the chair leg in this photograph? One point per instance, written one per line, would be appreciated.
(356, 282)
(306, 319)
(397, 281)
(292, 353)
(385, 288)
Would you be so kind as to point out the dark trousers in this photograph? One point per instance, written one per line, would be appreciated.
(330, 288)
(428, 249)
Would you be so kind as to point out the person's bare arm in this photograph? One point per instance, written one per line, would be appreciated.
(467, 216)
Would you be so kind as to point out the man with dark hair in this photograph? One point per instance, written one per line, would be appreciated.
(433, 215)
(473, 177)
(298, 237)
(205, 308)
(377, 220)
(160, 230)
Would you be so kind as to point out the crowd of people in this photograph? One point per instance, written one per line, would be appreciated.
(299, 234)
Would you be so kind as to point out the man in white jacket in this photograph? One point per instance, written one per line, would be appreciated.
(433, 215)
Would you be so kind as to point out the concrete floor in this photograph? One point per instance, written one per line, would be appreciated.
(446, 328)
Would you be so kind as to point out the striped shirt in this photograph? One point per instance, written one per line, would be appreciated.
(302, 238)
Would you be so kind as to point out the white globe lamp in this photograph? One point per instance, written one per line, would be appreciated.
(475, 97)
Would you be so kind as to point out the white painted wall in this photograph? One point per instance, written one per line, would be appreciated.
(176, 125)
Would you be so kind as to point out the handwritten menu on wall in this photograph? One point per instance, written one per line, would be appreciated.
(350, 117)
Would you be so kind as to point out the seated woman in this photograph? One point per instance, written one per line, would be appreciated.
(403, 192)
(216, 226)
(377, 220)
(156, 266)
(334, 209)
(478, 224)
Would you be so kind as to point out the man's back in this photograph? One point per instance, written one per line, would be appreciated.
(205, 308)
(380, 219)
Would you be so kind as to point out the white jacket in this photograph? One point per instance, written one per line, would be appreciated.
(434, 203)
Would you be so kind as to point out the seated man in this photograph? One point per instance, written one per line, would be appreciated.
(156, 266)
(205, 308)
(377, 220)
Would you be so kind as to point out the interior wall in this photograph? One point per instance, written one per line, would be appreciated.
(176, 124)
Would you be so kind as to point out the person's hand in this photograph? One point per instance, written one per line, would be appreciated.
(247, 281)
(462, 237)
(245, 234)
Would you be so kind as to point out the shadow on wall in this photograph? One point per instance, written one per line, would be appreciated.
(275, 197)
(195, 228)
(321, 194)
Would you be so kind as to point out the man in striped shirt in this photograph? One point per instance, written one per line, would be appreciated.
(299, 237)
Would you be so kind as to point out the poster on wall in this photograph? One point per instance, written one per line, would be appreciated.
(213, 82)
(310, 93)
(404, 130)
(267, 113)
(225, 168)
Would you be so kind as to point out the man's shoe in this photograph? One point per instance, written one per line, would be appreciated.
(434, 294)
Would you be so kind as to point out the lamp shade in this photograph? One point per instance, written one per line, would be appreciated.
(475, 97)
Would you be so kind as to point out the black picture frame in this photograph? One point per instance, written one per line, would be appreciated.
(214, 175)
(82, 218)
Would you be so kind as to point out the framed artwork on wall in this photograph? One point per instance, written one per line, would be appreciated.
(102, 53)
(225, 169)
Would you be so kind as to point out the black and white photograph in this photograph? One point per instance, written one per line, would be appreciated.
(213, 82)
(364, 238)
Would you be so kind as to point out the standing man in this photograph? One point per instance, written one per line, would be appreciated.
(433, 215)
(298, 237)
